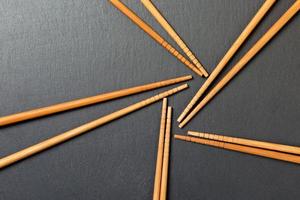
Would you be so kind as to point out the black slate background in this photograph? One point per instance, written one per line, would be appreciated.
(58, 50)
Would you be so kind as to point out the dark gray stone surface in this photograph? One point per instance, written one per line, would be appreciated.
(58, 50)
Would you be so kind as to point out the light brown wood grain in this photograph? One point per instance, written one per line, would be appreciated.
(40, 112)
(245, 59)
(153, 34)
(165, 167)
(248, 142)
(244, 149)
(160, 151)
(8, 160)
(230, 53)
(169, 29)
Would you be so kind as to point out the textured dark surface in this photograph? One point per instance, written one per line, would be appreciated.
(58, 50)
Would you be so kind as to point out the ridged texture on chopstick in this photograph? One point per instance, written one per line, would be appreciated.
(244, 149)
(248, 142)
(165, 167)
(245, 59)
(40, 112)
(150, 31)
(230, 53)
(160, 151)
(163, 22)
(84, 128)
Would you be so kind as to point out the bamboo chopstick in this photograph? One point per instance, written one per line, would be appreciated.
(164, 23)
(160, 151)
(14, 118)
(248, 142)
(245, 59)
(153, 34)
(8, 160)
(165, 167)
(245, 149)
(230, 53)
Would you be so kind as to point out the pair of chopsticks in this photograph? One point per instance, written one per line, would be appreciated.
(254, 147)
(196, 67)
(162, 162)
(27, 152)
(168, 28)
(190, 111)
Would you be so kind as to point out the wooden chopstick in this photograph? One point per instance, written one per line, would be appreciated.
(245, 149)
(230, 53)
(165, 167)
(248, 142)
(27, 152)
(245, 59)
(164, 23)
(153, 34)
(31, 114)
(160, 151)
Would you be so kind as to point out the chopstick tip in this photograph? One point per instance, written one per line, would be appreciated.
(176, 136)
(205, 74)
(189, 77)
(184, 86)
(180, 118)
